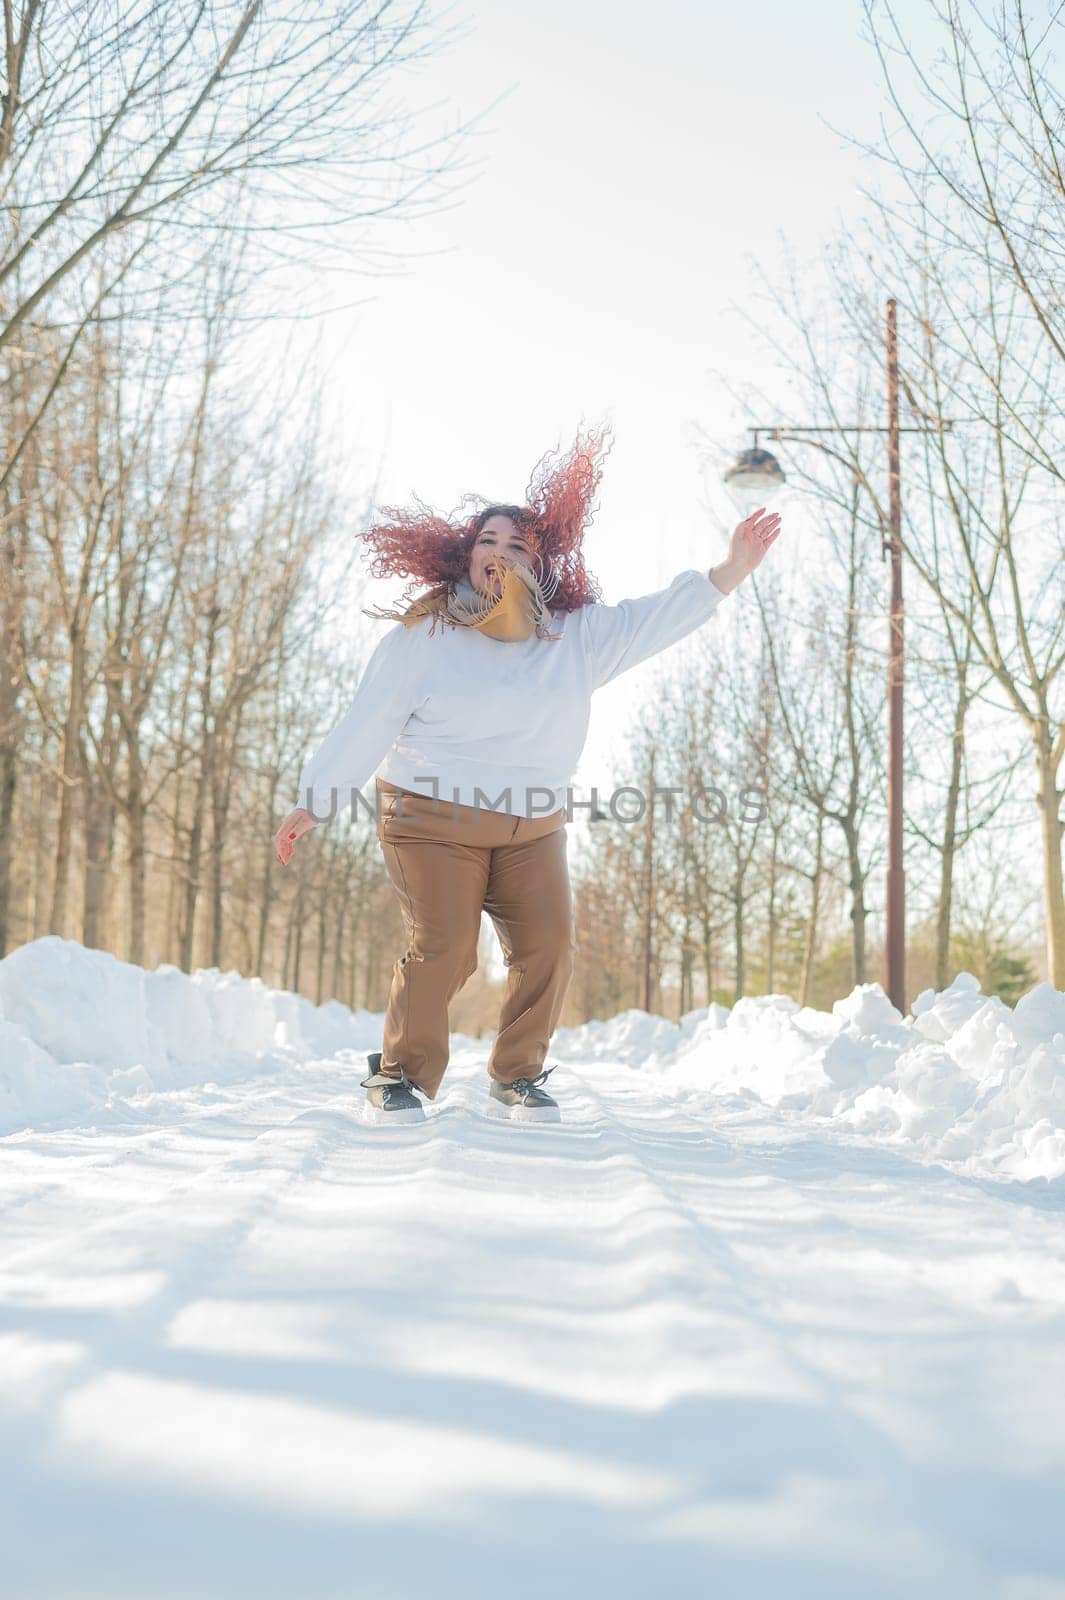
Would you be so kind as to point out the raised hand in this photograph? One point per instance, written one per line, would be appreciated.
(751, 539)
(297, 822)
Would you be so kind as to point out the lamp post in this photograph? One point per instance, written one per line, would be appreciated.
(756, 476)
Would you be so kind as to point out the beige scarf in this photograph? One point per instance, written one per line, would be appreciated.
(519, 610)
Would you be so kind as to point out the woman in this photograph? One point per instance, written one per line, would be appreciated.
(475, 729)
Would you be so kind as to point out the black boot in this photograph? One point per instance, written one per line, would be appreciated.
(389, 1095)
(522, 1100)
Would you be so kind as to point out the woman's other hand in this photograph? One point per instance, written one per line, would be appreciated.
(297, 822)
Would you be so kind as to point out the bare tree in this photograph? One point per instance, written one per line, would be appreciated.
(975, 246)
(111, 120)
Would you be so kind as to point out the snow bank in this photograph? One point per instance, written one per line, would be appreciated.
(81, 1030)
(964, 1079)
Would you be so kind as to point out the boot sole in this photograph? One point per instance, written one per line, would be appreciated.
(503, 1113)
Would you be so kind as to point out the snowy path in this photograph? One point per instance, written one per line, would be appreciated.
(251, 1347)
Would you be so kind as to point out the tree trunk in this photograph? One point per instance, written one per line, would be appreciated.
(297, 936)
(137, 863)
(1049, 797)
(219, 812)
(737, 934)
(771, 940)
(686, 965)
(319, 969)
(950, 833)
(40, 857)
(8, 760)
(193, 868)
(99, 825)
(70, 777)
(176, 875)
(708, 959)
(813, 919)
(859, 909)
(265, 895)
(10, 729)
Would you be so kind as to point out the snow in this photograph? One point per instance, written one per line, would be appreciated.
(777, 1308)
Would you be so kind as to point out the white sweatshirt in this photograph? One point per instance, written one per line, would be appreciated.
(460, 712)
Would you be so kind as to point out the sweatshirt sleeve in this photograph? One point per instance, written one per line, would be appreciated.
(619, 637)
(386, 694)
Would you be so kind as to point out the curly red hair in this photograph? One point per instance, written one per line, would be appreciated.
(429, 549)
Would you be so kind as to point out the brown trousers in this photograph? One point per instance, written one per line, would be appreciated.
(447, 864)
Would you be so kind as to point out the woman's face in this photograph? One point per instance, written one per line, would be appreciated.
(500, 540)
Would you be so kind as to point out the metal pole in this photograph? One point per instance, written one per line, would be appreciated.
(895, 941)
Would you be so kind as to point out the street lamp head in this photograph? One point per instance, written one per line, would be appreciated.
(754, 478)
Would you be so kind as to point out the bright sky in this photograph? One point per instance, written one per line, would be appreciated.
(641, 159)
